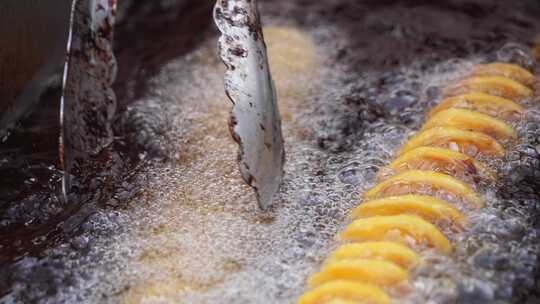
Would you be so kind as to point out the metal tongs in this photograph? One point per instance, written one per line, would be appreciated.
(255, 123)
(38, 38)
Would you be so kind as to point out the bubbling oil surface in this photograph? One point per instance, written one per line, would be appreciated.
(194, 234)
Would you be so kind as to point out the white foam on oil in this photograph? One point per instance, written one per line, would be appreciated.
(213, 245)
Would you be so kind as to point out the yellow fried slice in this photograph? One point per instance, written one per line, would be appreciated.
(376, 272)
(379, 228)
(388, 251)
(345, 290)
(494, 85)
(455, 139)
(473, 121)
(512, 71)
(484, 103)
(437, 159)
(415, 178)
(429, 208)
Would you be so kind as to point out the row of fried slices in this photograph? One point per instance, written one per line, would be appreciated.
(424, 190)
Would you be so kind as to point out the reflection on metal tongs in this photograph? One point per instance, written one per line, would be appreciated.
(255, 122)
(37, 39)
(33, 38)
(88, 101)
